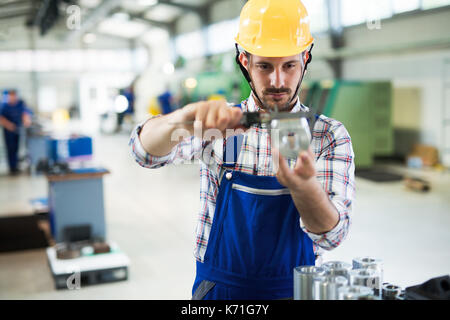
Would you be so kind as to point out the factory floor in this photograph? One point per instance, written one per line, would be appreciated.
(151, 215)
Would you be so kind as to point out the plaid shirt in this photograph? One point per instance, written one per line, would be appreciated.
(334, 164)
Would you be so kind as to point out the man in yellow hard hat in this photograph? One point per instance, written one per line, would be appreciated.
(258, 222)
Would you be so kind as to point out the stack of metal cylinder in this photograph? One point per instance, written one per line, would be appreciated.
(303, 281)
(337, 280)
(392, 292)
(368, 271)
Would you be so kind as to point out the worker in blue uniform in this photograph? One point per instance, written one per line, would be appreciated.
(128, 93)
(13, 115)
(166, 101)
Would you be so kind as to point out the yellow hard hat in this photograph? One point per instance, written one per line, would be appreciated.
(274, 28)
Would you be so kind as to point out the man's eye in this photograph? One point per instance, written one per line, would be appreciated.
(263, 66)
(291, 65)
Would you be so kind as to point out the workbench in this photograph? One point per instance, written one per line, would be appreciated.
(76, 198)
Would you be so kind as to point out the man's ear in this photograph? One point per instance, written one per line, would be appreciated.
(305, 56)
(243, 59)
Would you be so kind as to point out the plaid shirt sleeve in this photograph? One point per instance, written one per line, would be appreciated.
(335, 171)
(187, 150)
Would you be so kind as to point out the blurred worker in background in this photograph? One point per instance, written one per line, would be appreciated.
(128, 93)
(4, 98)
(13, 115)
(257, 221)
(166, 101)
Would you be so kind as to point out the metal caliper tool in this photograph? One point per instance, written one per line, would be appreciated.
(290, 132)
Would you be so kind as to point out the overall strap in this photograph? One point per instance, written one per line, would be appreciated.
(231, 150)
(312, 121)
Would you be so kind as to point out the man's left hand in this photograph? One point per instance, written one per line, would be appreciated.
(319, 215)
(303, 174)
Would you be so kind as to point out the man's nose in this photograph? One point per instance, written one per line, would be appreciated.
(277, 78)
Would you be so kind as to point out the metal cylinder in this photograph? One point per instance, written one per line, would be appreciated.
(354, 292)
(337, 268)
(371, 263)
(336, 265)
(326, 287)
(390, 291)
(368, 263)
(401, 296)
(303, 281)
(369, 297)
(366, 277)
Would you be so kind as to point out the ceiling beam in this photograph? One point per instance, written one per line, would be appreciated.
(140, 17)
(19, 3)
(14, 14)
(180, 5)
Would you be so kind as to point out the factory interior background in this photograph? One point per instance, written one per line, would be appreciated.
(89, 71)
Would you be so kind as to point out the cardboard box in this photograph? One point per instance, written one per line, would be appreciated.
(428, 154)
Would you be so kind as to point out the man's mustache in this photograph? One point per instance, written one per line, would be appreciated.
(277, 91)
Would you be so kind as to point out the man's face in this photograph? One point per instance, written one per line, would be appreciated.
(275, 80)
(12, 98)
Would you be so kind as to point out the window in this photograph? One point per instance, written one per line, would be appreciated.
(73, 60)
(400, 6)
(430, 4)
(318, 13)
(353, 12)
(357, 12)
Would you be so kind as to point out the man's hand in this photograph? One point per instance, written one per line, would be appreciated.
(26, 119)
(11, 127)
(318, 213)
(303, 174)
(157, 135)
(8, 125)
(210, 115)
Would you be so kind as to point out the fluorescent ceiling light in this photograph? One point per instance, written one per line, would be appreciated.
(156, 36)
(122, 16)
(163, 13)
(126, 29)
(146, 3)
(89, 3)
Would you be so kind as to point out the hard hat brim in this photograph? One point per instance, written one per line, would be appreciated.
(274, 51)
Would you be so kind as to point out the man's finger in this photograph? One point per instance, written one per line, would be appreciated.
(211, 117)
(236, 116)
(275, 160)
(283, 171)
(223, 119)
(305, 166)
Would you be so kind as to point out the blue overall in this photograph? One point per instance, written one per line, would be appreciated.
(255, 240)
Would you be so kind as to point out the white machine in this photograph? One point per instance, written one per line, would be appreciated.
(88, 268)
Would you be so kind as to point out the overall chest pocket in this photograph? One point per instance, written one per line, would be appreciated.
(259, 235)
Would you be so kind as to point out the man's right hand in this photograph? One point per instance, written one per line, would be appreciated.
(156, 135)
(210, 115)
(8, 125)
(11, 127)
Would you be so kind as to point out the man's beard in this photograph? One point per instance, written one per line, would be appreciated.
(276, 106)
